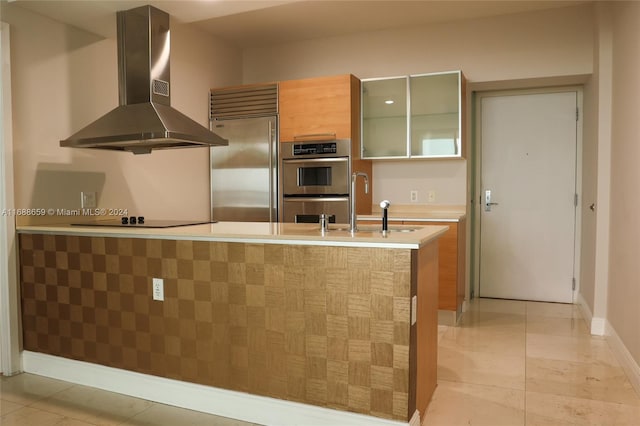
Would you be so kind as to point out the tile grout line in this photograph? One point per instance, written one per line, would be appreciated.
(40, 398)
(153, 404)
(64, 416)
(50, 398)
(20, 406)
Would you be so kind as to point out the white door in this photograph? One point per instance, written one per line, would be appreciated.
(527, 227)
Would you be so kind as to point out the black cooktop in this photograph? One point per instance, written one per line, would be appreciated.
(147, 223)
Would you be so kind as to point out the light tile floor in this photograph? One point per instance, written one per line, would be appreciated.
(508, 363)
(526, 363)
(30, 400)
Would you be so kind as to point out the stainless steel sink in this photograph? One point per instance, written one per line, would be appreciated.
(402, 229)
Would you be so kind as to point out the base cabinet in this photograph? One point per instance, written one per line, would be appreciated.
(451, 264)
(451, 261)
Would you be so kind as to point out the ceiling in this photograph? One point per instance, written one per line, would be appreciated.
(256, 23)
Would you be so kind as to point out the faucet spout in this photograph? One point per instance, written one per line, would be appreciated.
(353, 226)
(384, 205)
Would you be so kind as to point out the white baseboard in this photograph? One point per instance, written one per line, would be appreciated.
(629, 364)
(602, 327)
(221, 402)
(597, 325)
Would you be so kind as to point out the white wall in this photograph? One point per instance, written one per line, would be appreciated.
(9, 290)
(556, 42)
(624, 273)
(596, 183)
(395, 179)
(64, 78)
(535, 44)
(589, 192)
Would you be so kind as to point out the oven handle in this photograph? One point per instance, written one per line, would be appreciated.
(313, 199)
(316, 160)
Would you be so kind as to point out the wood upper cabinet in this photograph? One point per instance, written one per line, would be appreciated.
(325, 108)
(321, 108)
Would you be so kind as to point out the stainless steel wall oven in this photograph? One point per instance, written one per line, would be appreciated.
(315, 180)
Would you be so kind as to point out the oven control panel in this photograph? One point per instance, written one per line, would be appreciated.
(315, 148)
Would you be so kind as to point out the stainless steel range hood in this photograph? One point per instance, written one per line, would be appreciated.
(144, 120)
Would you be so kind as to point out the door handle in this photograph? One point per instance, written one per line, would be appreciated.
(487, 201)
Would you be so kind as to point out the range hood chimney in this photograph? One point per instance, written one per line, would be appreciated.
(144, 120)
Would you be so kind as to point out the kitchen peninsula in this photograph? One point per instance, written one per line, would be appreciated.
(249, 310)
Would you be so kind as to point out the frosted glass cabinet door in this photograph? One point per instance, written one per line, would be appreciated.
(435, 115)
(416, 116)
(384, 118)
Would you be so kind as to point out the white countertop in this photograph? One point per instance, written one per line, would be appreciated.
(261, 232)
(416, 217)
(418, 213)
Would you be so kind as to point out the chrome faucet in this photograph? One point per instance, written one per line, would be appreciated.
(353, 227)
(384, 205)
(324, 223)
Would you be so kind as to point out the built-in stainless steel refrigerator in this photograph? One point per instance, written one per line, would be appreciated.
(244, 174)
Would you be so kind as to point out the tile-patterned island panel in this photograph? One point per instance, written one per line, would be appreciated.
(322, 325)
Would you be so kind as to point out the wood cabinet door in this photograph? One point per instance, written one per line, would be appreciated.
(447, 265)
(317, 108)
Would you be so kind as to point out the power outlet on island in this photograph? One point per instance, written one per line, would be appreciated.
(87, 200)
(414, 309)
(158, 289)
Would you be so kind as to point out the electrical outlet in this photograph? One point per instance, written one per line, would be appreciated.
(431, 197)
(87, 200)
(414, 309)
(414, 196)
(158, 289)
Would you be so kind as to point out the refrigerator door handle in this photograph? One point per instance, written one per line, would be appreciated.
(272, 169)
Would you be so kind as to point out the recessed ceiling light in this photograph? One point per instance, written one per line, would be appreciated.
(388, 101)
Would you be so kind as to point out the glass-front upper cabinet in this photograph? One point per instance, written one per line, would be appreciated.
(417, 116)
(384, 117)
(435, 115)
